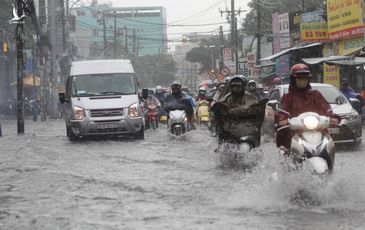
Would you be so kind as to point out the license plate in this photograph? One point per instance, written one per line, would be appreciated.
(163, 118)
(334, 130)
(106, 125)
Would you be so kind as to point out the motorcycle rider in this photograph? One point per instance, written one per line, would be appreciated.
(238, 114)
(252, 88)
(202, 94)
(161, 97)
(350, 93)
(300, 98)
(177, 100)
(151, 101)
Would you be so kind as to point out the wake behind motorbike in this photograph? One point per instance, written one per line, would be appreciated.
(311, 146)
(177, 123)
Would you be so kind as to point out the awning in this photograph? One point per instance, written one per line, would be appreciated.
(350, 62)
(28, 81)
(313, 61)
(282, 52)
(336, 60)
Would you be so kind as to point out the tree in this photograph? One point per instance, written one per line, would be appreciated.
(200, 55)
(153, 70)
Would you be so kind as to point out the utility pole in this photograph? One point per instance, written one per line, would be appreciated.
(126, 39)
(53, 34)
(134, 41)
(115, 34)
(221, 39)
(258, 34)
(20, 67)
(104, 30)
(232, 18)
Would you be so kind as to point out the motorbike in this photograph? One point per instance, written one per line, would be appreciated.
(177, 123)
(152, 116)
(311, 146)
(203, 115)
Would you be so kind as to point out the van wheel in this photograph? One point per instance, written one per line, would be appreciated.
(70, 134)
(140, 134)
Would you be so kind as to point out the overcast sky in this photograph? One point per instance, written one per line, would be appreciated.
(188, 12)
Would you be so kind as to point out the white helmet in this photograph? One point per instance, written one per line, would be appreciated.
(158, 87)
(202, 89)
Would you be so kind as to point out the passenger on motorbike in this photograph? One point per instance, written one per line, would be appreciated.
(238, 114)
(177, 100)
(300, 98)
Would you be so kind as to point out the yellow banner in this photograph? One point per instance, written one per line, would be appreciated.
(331, 75)
(351, 45)
(313, 32)
(344, 18)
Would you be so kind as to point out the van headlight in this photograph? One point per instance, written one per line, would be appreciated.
(133, 111)
(79, 113)
(311, 122)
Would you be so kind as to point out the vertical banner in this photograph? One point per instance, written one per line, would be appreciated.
(284, 31)
(283, 66)
(276, 32)
(294, 27)
(331, 75)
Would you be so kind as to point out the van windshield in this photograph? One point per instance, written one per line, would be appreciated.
(103, 84)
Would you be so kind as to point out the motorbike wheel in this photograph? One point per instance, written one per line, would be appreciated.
(153, 125)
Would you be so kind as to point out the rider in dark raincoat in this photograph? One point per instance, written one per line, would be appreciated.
(238, 114)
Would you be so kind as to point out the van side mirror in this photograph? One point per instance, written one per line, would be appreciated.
(145, 93)
(62, 98)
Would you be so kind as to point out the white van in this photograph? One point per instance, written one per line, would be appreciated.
(101, 98)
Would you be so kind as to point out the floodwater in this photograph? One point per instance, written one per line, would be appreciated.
(47, 182)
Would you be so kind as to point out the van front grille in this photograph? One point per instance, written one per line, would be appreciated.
(106, 112)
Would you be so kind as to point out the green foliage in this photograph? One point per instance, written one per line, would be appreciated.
(268, 7)
(152, 70)
(200, 55)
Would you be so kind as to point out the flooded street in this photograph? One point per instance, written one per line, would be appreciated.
(48, 182)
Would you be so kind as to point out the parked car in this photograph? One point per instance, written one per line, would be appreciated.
(350, 129)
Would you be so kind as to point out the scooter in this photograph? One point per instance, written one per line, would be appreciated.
(311, 146)
(203, 115)
(177, 123)
(152, 116)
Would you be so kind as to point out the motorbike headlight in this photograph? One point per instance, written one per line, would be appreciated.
(311, 122)
(133, 111)
(79, 113)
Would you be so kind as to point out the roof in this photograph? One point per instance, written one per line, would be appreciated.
(269, 58)
(101, 66)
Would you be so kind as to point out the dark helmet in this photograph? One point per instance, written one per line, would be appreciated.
(176, 84)
(300, 70)
(237, 79)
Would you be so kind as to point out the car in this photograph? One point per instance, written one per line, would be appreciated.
(350, 128)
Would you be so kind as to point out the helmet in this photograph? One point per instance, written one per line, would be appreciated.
(251, 82)
(260, 86)
(300, 70)
(202, 89)
(158, 88)
(176, 84)
(276, 80)
(237, 79)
